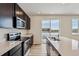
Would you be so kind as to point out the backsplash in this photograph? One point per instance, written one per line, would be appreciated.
(3, 32)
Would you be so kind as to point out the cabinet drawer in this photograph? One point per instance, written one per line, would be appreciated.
(12, 51)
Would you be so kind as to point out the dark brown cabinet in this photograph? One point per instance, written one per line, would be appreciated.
(31, 41)
(27, 43)
(9, 12)
(6, 13)
(19, 12)
(28, 23)
(16, 51)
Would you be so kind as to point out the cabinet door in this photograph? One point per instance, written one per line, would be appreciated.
(12, 51)
(6, 15)
(18, 52)
(25, 18)
(31, 41)
(19, 12)
(28, 23)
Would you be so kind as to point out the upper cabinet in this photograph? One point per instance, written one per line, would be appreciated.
(9, 15)
(28, 23)
(19, 12)
(6, 13)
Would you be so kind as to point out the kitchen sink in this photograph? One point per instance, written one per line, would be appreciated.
(54, 38)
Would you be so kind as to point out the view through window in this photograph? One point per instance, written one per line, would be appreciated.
(50, 28)
(75, 25)
(54, 27)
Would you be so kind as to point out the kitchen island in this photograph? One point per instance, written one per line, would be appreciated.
(65, 46)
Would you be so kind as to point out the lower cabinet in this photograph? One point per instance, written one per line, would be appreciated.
(51, 51)
(21, 49)
(27, 43)
(30, 41)
(16, 51)
(6, 54)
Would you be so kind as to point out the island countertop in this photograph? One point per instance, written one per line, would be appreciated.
(66, 46)
(5, 46)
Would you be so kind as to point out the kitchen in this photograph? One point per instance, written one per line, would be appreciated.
(22, 30)
(14, 24)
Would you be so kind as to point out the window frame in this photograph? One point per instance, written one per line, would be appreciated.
(76, 18)
(50, 27)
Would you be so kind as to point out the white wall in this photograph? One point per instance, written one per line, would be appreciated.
(36, 27)
(65, 26)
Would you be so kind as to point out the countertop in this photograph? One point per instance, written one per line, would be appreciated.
(66, 46)
(27, 35)
(5, 46)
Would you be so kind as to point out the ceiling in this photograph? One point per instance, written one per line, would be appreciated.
(50, 8)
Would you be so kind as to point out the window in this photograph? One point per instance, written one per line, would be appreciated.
(75, 25)
(45, 25)
(55, 26)
(45, 28)
(50, 27)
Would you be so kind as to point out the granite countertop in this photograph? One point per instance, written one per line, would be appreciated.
(66, 46)
(5, 46)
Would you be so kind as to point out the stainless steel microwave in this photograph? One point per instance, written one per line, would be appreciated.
(19, 23)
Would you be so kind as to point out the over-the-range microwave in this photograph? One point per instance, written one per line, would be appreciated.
(19, 23)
